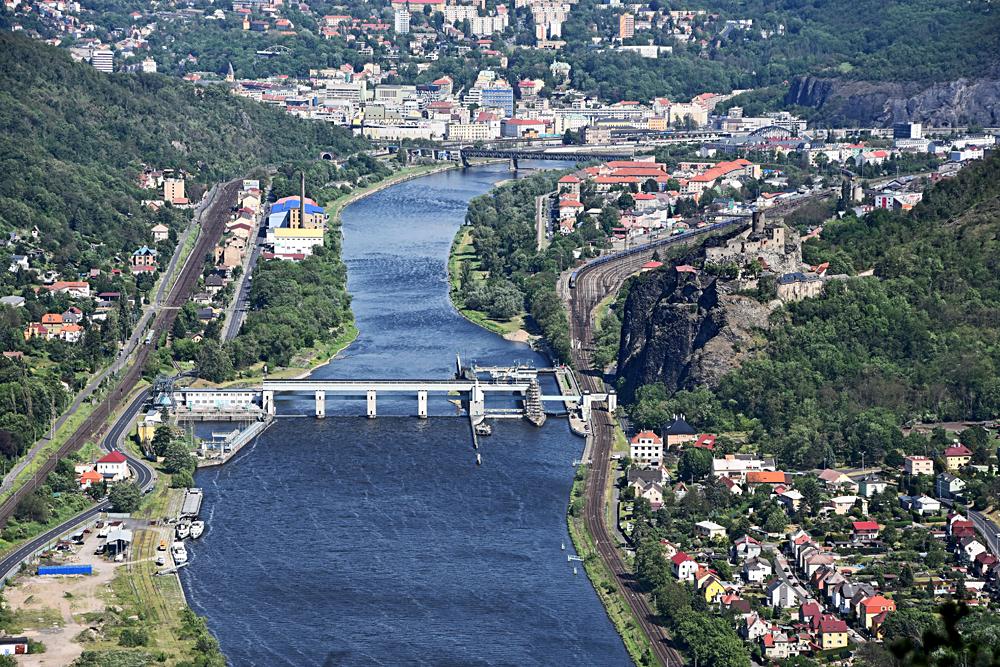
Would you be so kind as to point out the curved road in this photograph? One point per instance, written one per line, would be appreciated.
(143, 474)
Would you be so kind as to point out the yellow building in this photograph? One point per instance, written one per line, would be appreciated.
(712, 588)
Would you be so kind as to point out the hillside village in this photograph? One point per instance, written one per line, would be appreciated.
(813, 562)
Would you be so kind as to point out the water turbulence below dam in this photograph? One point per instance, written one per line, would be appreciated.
(351, 541)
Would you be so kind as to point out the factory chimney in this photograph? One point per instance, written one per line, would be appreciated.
(302, 201)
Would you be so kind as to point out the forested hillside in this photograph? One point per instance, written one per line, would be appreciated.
(920, 339)
(72, 140)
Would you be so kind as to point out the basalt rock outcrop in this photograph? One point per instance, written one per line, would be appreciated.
(957, 103)
(684, 329)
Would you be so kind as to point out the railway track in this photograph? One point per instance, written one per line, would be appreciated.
(593, 283)
(213, 224)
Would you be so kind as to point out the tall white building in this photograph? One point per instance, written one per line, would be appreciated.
(103, 60)
(402, 21)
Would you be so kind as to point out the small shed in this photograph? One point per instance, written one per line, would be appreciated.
(118, 541)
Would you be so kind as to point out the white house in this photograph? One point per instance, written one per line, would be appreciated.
(757, 571)
(710, 529)
(113, 466)
(781, 596)
(684, 566)
(746, 547)
(926, 505)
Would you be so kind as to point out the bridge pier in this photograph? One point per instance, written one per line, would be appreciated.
(320, 404)
(612, 400)
(585, 406)
(422, 404)
(465, 161)
(371, 404)
(477, 402)
(267, 401)
(513, 164)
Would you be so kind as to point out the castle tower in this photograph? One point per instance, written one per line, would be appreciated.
(758, 221)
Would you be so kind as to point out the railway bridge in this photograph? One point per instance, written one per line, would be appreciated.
(542, 154)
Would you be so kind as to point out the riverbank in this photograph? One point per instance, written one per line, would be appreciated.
(463, 251)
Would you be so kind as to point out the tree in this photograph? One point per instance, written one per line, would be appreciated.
(695, 463)
(125, 498)
(177, 458)
(775, 520)
(213, 364)
(161, 440)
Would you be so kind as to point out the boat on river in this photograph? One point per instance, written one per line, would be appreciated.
(482, 428)
(179, 553)
(182, 530)
(197, 528)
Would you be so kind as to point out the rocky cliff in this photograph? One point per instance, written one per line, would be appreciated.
(684, 330)
(954, 103)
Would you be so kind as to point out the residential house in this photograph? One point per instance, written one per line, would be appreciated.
(834, 479)
(710, 530)
(736, 466)
(970, 548)
(957, 456)
(711, 588)
(842, 504)
(679, 432)
(160, 232)
(864, 531)
(113, 466)
(757, 571)
(832, 632)
(791, 499)
(143, 260)
(949, 486)
(684, 567)
(781, 595)
(871, 484)
(71, 333)
(90, 478)
(646, 448)
(985, 563)
(72, 315)
(918, 465)
(925, 505)
(772, 477)
(872, 612)
(76, 288)
(13, 301)
(777, 645)
(653, 492)
(214, 283)
(753, 627)
(640, 477)
(745, 547)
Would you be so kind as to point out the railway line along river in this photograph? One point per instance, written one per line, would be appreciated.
(349, 541)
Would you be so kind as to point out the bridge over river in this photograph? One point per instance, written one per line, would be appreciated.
(468, 384)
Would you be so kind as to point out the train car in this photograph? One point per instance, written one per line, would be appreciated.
(149, 338)
(572, 280)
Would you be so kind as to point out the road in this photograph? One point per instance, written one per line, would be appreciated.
(239, 306)
(123, 355)
(143, 474)
(213, 225)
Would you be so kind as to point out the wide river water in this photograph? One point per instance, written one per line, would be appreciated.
(349, 541)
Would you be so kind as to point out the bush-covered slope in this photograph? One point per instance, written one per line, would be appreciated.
(840, 373)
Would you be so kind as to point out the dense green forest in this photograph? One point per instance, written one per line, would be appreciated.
(919, 340)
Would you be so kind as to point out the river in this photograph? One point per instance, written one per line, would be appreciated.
(349, 541)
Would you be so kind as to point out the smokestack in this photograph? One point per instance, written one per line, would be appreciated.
(302, 201)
